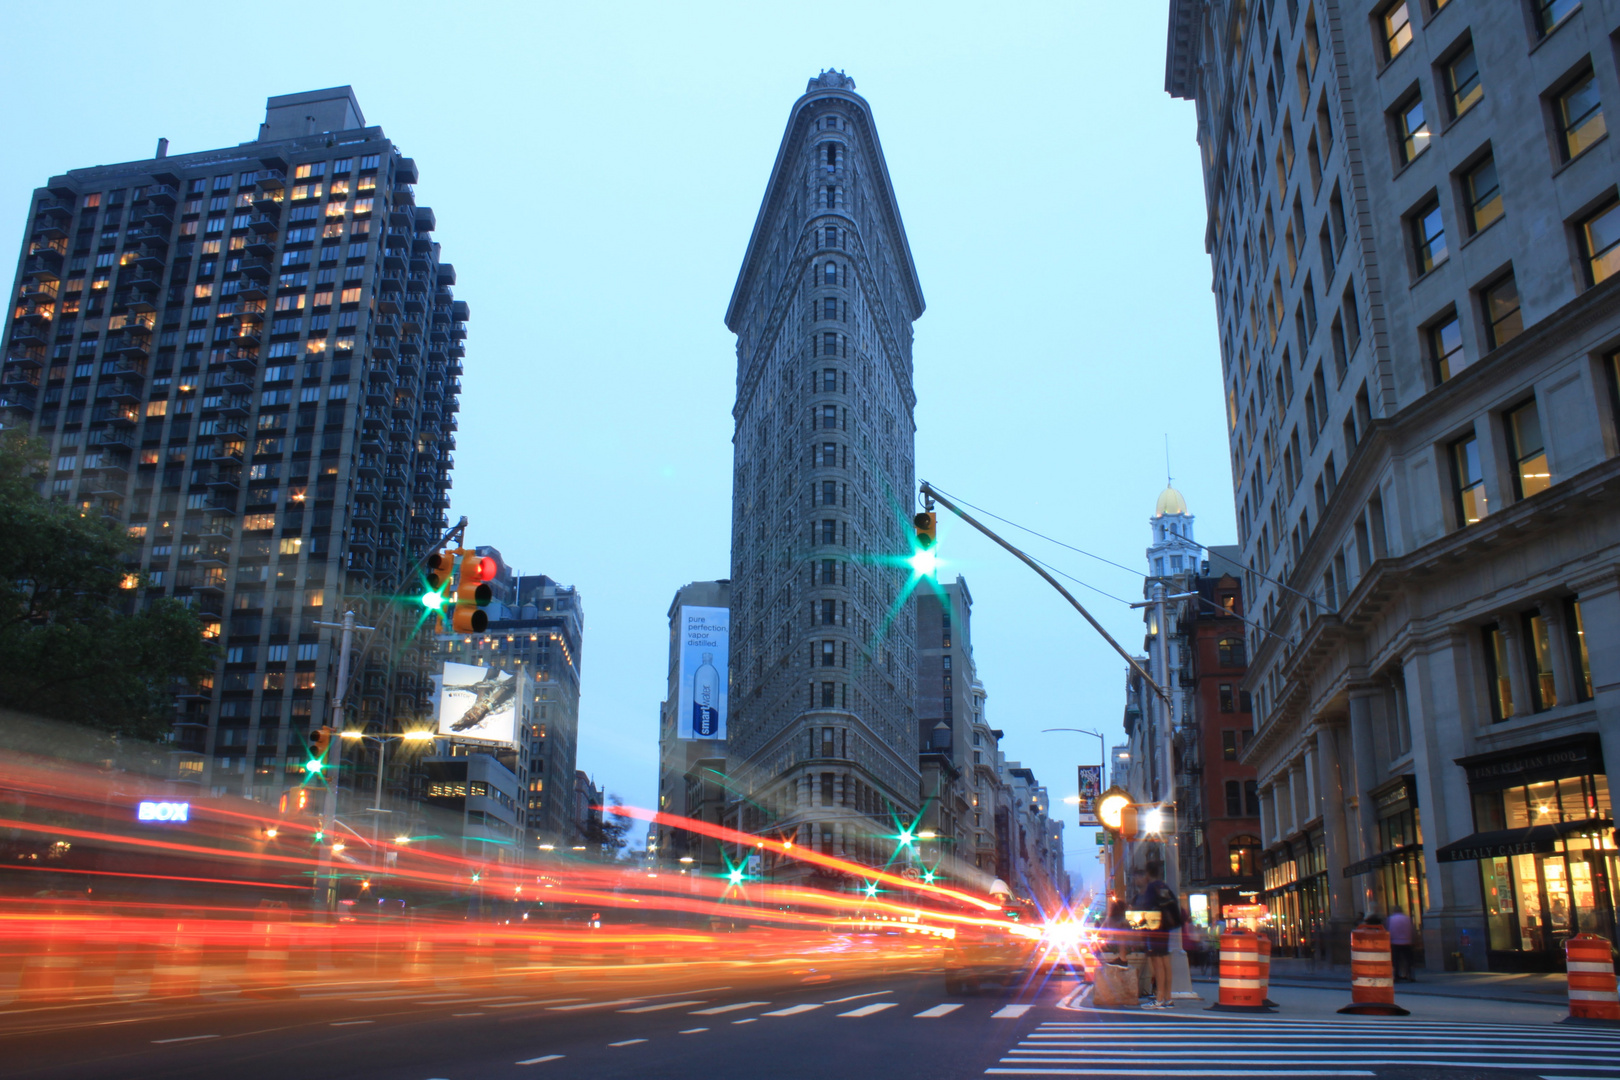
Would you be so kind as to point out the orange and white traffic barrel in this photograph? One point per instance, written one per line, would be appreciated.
(1372, 974)
(1244, 972)
(1592, 993)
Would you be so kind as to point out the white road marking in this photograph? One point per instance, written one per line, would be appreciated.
(1010, 1012)
(718, 1009)
(793, 1010)
(185, 1038)
(691, 1031)
(627, 1042)
(467, 1014)
(937, 1011)
(542, 1001)
(750, 1020)
(661, 1005)
(540, 1060)
(857, 997)
(596, 1004)
(1179, 1072)
(350, 1023)
(868, 1010)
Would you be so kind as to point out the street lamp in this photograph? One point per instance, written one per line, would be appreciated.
(355, 735)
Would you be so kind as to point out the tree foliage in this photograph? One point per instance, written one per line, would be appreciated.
(70, 647)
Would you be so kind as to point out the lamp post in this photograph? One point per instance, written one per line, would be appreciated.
(381, 740)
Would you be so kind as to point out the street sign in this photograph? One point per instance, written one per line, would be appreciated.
(1245, 911)
(911, 873)
(1102, 839)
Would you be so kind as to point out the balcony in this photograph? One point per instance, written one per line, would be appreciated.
(141, 279)
(258, 269)
(164, 194)
(18, 398)
(262, 244)
(58, 209)
(158, 216)
(270, 179)
(45, 261)
(107, 439)
(246, 335)
(128, 389)
(25, 357)
(226, 481)
(235, 405)
(266, 221)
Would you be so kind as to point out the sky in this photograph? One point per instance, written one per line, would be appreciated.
(595, 171)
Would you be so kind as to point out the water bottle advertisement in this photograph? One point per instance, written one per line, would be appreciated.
(705, 645)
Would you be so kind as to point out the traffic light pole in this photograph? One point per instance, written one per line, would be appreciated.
(334, 770)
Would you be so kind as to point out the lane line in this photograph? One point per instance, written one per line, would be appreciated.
(539, 1060)
(750, 1020)
(857, 997)
(868, 1010)
(1176, 1072)
(937, 1011)
(595, 1005)
(542, 1001)
(691, 1031)
(718, 1009)
(184, 1038)
(1010, 1012)
(661, 1005)
(467, 1014)
(793, 1010)
(350, 1023)
(1452, 1062)
(628, 1042)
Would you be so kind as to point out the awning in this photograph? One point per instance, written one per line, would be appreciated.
(1535, 840)
(1383, 858)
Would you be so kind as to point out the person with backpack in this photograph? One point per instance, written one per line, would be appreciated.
(1156, 897)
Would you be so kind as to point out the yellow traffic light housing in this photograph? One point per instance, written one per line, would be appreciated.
(473, 593)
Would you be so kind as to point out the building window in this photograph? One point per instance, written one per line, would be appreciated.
(1600, 242)
(829, 572)
(829, 344)
(829, 274)
(1577, 634)
(1469, 481)
(829, 617)
(827, 696)
(1234, 798)
(1429, 237)
(829, 531)
(1580, 116)
(829, 417)
(1538, 653)
(1527, 450)
(1549, 13)
(1499, 686)
(1445, 348)
(1243, 853)
(1228, 699)
(1483, 193)
(1504, 321)
(1229, 652)
(829, 380)
(1411, 129)
(829, 308)
(1229, 745)
(829, 454)
(1396, 23)
(1463, 90)
(829, 654)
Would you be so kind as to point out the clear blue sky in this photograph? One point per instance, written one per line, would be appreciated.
(595, 170)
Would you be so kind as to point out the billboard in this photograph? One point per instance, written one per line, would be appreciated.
(1090, 789)
(705, 644)
(471, 702)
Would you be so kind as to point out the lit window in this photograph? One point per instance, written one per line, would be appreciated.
(1527, 450)
(1580, 116)
(1538, 649)
(1445, 348)
(1463, 90)
(1412, 129)
(1600, 242)
(1496, 674)
(1470, 481)
(1429, 237)
(1397, 25)
(349, 296)
(1504, 320)
(1484, 195)
(1577, 634)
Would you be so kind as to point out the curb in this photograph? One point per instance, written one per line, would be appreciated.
(1417, 993)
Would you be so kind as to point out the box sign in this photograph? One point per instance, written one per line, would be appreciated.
(1090, 790)
(479, 703)
(705, 648)
(149, 810)
(1245, 911)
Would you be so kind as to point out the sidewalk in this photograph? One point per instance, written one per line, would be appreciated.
(1538, 988)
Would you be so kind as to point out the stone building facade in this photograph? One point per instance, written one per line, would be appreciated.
(823, 660)
(1412, 215)
(250, 358)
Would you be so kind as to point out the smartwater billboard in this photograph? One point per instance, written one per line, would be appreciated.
(472, 702)
(705, 641)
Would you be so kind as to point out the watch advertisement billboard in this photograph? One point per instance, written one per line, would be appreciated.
(705, 645)
(478, 703)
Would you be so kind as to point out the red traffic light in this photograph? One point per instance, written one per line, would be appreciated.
(486, 568)
(473, 594)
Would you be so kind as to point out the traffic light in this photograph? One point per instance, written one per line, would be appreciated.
(473, 594)
(319, 740)
(441, 569)
(924, 561)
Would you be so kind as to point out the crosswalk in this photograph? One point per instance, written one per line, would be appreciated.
(1188, 1046)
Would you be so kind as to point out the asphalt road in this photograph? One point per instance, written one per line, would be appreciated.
(895, 1027)
(759, 1026)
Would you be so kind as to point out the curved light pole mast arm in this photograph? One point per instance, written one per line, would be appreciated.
(930, 493)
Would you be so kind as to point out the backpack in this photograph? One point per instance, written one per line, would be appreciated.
(1168, 906)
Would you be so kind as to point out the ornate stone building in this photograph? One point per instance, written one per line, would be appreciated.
(823, 735)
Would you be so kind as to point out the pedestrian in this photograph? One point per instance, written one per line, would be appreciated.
(1116, 933)
(1155, 898)
(1400, 943)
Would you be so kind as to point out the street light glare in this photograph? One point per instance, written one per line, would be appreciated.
(924, 563)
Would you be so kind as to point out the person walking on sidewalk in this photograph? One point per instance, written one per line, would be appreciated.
(1400, 943)
(1155, 897)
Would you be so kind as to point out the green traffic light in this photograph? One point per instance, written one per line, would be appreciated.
(924, 563)
(433, 600)
(735, 877)
(314, 766)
